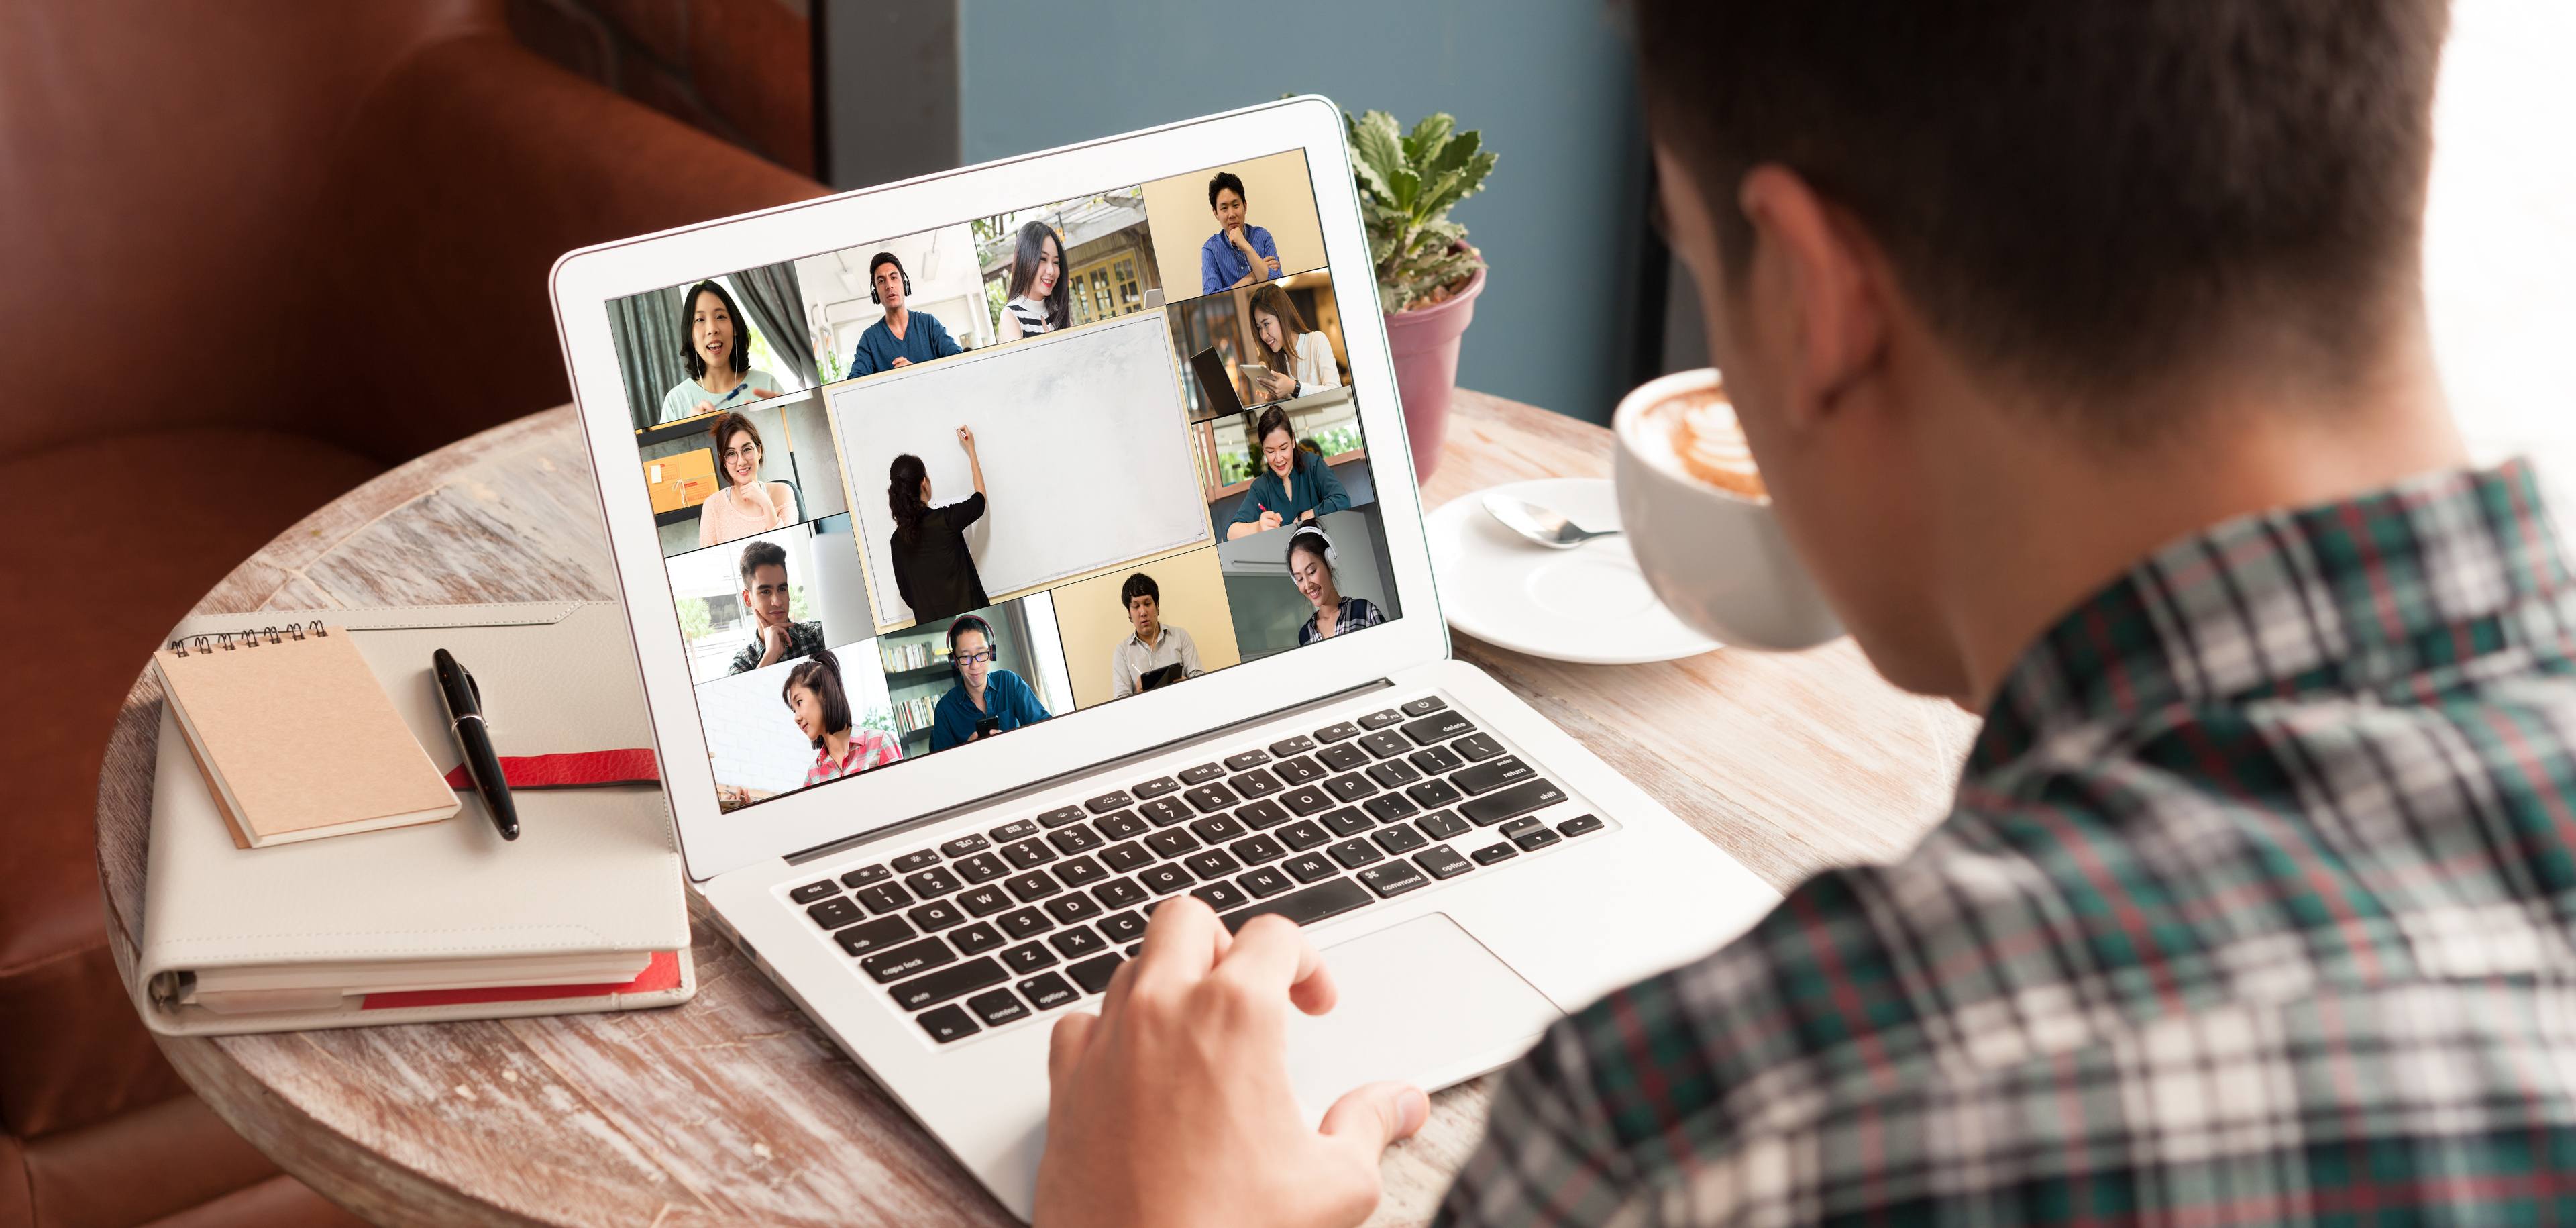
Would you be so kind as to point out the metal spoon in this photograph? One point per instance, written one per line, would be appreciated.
(1546, 526)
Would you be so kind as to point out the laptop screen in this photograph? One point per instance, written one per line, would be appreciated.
(930, 489)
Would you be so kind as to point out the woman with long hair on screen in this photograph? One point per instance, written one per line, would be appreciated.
(822, 711)
(716, 351)
(746, 505)
(933, 569)
(1292, 484)
(1300, 360)
(987, 698)
(1310, 564)
(1041, 296)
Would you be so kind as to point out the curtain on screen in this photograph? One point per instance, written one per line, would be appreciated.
(770, 297)
(647, 332)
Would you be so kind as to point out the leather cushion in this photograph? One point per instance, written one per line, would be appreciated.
(160, 1160)
(112, 541)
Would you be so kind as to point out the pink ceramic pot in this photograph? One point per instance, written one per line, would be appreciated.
(1424, 344)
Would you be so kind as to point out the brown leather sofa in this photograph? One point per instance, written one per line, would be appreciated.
(256, 253)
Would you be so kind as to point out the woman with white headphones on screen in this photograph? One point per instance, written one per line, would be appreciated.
(1310, 563)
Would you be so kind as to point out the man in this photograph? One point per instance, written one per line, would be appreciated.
(775, 636)
(904, 336)
(2083, 351)
(1237, 254)
(1153, 646)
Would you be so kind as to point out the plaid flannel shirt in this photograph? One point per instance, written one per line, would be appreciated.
(2254, 905)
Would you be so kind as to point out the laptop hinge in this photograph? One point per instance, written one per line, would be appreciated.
(989, 800)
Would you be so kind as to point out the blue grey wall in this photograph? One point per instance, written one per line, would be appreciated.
(1550, 82)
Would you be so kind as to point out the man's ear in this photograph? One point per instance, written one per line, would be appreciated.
(1812, 270)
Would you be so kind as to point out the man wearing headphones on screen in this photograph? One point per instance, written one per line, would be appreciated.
(904, 336)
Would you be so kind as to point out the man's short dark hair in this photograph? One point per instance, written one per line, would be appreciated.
(882, 259)
(1224, 180)
(1138, 585)
(761, 554)
(2081, 194)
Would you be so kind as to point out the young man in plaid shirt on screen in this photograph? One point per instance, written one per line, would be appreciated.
(2082, 348)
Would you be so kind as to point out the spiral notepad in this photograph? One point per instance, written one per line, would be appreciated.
(295, 737)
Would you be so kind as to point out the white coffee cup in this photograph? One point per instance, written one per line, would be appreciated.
(1717, 559)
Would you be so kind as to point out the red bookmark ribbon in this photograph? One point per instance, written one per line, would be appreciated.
(587, 769)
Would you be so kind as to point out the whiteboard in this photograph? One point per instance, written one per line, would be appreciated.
(1084, 443)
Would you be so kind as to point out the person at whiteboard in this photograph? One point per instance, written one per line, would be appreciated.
(986, 700)
(1041, 299)
(1300, 361)
(1239, 253)
(1292, 485)
(717, 356)
(933, 569)
(746, 505)
(1311, 558)
(904, 336)
(1155, 645)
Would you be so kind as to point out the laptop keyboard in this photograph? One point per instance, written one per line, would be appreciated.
(987, 930)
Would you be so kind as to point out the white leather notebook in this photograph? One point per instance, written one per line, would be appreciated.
(381, 927)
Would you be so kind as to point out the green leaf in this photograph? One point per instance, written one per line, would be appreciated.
(1458, 152)
(1373, 189)
(1407, 188)
(1377, 141)
(1424, 143)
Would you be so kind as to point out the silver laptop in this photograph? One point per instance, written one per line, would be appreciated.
(941, 826)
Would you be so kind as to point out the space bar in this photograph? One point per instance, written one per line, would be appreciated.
(1305, 907)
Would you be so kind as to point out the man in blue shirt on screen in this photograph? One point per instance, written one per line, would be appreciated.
(1238, 254)
(904, 336)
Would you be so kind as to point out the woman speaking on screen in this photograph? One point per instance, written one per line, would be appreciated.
(933, 570)
(717, 357)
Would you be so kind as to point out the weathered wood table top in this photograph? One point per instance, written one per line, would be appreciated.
(733, 1108)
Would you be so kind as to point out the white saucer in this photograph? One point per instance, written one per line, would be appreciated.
(1589, 605)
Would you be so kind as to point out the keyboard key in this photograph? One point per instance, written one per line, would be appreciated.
(1028, 854)
(1442, 861)
(1047, 991)
(1165, 811)
(1217, 828)
(975, 939)
(811, 892)
(900, 962)
(1424, 706)
(1335, 733)
(1257, 849)
(1222, 896)
(1400, 839)
(1248, 759)
(1123, 927)
(1016, 829)
(1071, 908)
(1492, 853)
(877, 935)
(1304, 907)
(1080, 872)
(1536, 838)
(1203, 773)
(1256, 783)
(1035, 884)
(1513, 802)
(981, 868)
(1350, 788)
(1307, 800)
(1348, 821)
(1393, 774)
(1093, 974)
(1024, 923)
(1156, 787)
(1074, 839)
(915, 860)
(1028, 957)
(1171, 843)
(1391, 807)
(1303, 835)
(884, 898)
(1210, 798)
(997, 1008)
(1264, 882)
(1432, 794)
(1477, 747)
(933, 988)
(1123, 858)
(1261, 814)
(1517, 826)
(962, 845)
(1439, 727)
(1165, 878)
(983, 901)
(1443, 825)
(833, 913)
(1060, 816)
(1579, 825)
(1435, 760)
(936, 915)
(1077, 942)
(1119, 893)
(1386, 744)
(931, 882)
(864, 875)
(1121, 825)
(948, 1023)
(1107, 802)
(1393, 878)
(1299, 770)
(1344, 758)
(1308, 868)
(1214, 863)
(1356, 853)
(1380, 720)
(1489, 776)
(1292, 746)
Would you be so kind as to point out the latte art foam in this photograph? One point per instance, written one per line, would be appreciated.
(1697, 435)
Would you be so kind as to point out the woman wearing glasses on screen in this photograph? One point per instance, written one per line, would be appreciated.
(933, 569)
(1299, 361)
(1310, 563)
(717, 354)
(1292, 485)
(1041, 299)
(986, 700)
(747, 505)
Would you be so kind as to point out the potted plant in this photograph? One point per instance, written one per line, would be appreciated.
(1428, 275)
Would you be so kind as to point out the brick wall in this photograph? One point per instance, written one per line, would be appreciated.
(740, 69)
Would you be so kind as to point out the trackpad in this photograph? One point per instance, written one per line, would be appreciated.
(1423, 1002)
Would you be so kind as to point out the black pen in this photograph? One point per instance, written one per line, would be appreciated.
(465, 715)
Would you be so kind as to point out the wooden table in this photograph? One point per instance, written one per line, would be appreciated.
(733, 1108)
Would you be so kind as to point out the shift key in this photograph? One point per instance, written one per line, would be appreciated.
(947, 983)
(1513, 802)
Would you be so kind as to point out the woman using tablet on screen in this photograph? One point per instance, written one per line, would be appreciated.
(717, 355)
(986, 700)
(1041, 300)
(1310, 564)
(1300, 361)
(1292, 485)
(822, 710)
(748, 505)
(933, 570)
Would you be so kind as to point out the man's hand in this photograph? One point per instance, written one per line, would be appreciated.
(774, 643)
(1172, 1105)
(900, 362)
(1241, 237)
